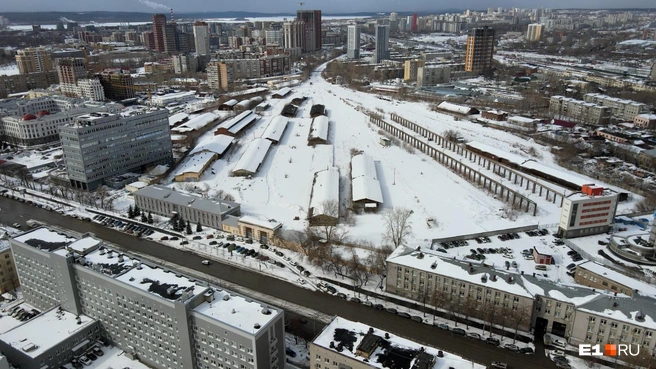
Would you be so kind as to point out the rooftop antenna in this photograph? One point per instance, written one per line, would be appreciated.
(301, 4)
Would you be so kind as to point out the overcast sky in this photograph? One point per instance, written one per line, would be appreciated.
(289, 6)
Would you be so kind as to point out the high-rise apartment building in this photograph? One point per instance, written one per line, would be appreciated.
(70, 71)
(185, 63)
(202, 38)
(293, 35)
(414, 26)
(480, 49)
(353, 42)
(162, 317)
(117, 84)
(217, 75)
(148, 40)
(159, 22)
(90, 89)
(311, 28)
(34, 60)
(382, 44)
(273, 37)
(534, 32)
(102, 145)
(171, 40)
(410, 68)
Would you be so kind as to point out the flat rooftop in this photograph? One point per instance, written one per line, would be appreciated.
(7, 322)
(45, 331)
(164, 283)
(403, 352)
(45, 238)
(237, 311)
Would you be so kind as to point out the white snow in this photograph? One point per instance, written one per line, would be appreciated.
(114, 357)
(320, 126)
(237, 311)
(83, 245)
(251, 160)
(642, 288)
(264, 223)
(45, 331)
(325, 191)
(177, 118)
(9, 69)
(195, 163)
(283, 92)
(276, 128)
(360, 330)
(196, 122)
(7, 322)
(445, 105)
(213, 143)
(45, 234)
(148, 276)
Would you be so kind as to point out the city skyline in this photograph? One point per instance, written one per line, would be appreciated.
(337, 7)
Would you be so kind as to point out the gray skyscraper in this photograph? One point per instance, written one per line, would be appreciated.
(353, 47)
(102, 145)
(202, 38)
(382, 44)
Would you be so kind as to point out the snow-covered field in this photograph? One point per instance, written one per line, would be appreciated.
(9, 69)
(281, 188)
(440, 38)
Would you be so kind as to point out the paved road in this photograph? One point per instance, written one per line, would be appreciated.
(13, 211)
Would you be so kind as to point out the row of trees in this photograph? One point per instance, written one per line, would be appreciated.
(178, 224)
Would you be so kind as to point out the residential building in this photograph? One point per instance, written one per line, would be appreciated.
(381, 51)
(243, 68)
(621, 108)
(347, 344)
(70, 70)
(534, 32)
(274, 37)
(652, 75)
(647, 121)
(353, 42)
(90, 89)
(410, 68)
(479, 51)
(597, 276)
(25, 82)
(431, 75)
(34, 60)
(159, 22)
(293, 33)
(148, 40)
(414, 26)
(217, 75)
(167, 202)
(274, 65)
(185, 63)
(117, 84)
(171, 38)
(202, 38)
(98, 146)
(578, 111)
(590, 211)
(162, 317)
(311, 29)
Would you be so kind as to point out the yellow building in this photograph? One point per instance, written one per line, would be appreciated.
(410, 69)
(8, 276)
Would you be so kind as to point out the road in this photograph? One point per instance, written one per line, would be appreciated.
(12, 211)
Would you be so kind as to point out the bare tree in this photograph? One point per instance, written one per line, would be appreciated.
(519, 317)
(397, 225)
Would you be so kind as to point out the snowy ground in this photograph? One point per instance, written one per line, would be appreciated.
(9, 69)
(440, 38)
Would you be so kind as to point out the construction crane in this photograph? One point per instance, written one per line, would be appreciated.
(301, 4)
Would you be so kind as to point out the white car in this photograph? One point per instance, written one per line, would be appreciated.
(205, 262)
(16, 225)
(557, 353)
(508, 256)
(499, 365)
(301, 281)
(85, 360)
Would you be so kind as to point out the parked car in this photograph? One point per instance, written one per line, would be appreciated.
(511, 347)
(499, 365)
(417, 318)
(459, 331)
(341, 295)
(526, 350)
(76, 364)
(562, 365)
(392, 310)
(98, 351)
(290, 352)
(493, 341)
(205, 262)
(198, 238)
(355, 299)
(264, 247)
(404, 315)
(368, 303)
(212, 243)
(473, 335)
(85, 360)
(185, 242)
(379, 307)
(442, 326)
(92, 356)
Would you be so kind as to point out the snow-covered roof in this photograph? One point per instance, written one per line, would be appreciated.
(138, 184)
(520, 119)
(276, 128)
(185, 199)
(283, 92)
(364, 181)
(177, 118)
(253, 157)
(231, 102)
(642, 288)
(237, 311)
(340, 328)
(457, 269)
(238, 122)
(195, 163)
(164, 283)
(319, 128)
(264, 223)
(637, 310)
(244, 103)
(543, 250)
(572, 294)
(325, 189)
(45, 238)
(84, 245)
(45, 331)
(196, 122)
(445, 105)
(214, 143)
(647, 116)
